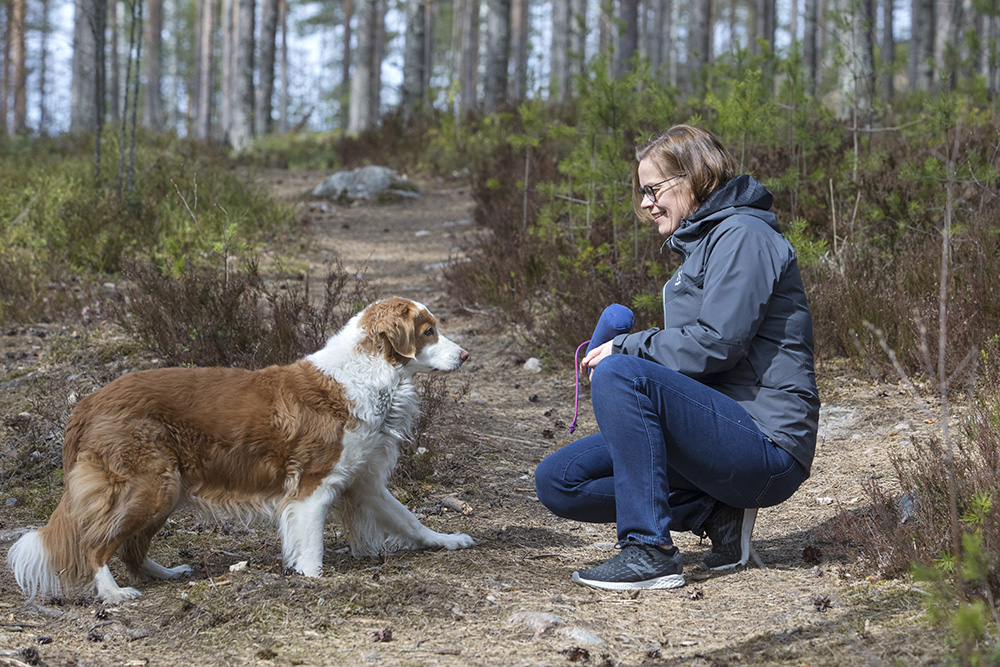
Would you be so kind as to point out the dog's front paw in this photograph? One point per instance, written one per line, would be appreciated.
(453, 541)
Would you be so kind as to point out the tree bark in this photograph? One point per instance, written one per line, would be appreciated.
(415, 64)
(922, 41)
(17, 28)
(469, 73)
(43, 72)
(559, 52)
(206, 70)
(810, 45)
(699, 45)
(888, 49)
(628, 41)
(361, 78)
(577, 55)
(227, 54)
(152, 113)
(86, 69)
(265, 84)
(497, 54)
(241, 132)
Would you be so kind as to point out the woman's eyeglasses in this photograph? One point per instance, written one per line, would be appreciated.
(650, 190)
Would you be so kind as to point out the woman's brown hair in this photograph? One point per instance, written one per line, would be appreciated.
(688, 150)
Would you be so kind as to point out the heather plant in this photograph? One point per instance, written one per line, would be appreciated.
(214, 315)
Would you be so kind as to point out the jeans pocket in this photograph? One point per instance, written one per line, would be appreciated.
(781, 486)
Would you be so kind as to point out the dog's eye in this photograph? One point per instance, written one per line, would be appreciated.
(429, 331)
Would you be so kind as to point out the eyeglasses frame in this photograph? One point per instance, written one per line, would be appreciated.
(650, 190)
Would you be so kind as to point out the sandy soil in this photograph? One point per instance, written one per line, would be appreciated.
(508, 600)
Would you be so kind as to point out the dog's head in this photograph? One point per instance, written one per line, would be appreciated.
(406, 333)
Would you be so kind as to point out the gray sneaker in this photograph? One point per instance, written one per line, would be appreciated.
(729, 528)
(637, 566)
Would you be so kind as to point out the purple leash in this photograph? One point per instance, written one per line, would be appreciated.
(576, 393)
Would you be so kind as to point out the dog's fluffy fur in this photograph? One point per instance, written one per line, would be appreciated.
(285, 442)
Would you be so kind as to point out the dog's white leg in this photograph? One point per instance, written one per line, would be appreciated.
(154, 570)
(108, 590)
(404, 529)
(301, 528)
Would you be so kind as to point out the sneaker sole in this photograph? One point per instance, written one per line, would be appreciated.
(749, 518)
(659, 583)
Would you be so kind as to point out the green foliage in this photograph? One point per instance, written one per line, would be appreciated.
(56, 221)
(808, 249)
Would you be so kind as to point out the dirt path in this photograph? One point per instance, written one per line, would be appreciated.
(509, 600)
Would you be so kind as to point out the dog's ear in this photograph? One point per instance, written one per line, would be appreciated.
(392, 326)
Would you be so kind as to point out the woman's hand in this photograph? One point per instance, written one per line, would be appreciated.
(594, 357)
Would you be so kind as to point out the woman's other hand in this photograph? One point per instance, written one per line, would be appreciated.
(594, 357)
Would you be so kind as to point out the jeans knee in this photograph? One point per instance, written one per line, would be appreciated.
(547, 483)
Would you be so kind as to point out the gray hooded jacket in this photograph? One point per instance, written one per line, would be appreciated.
(736, 318)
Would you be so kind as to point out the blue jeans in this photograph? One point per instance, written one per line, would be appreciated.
(668, 448)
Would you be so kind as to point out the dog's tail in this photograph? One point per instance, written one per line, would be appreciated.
(53, 560)
(42, 559)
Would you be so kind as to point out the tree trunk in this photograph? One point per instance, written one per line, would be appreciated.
(43, 72)
(857, 71)
(888, 49)
(628, 18)
(415, 65)
(88, 23)
(17, 27)
(922, 40)
(699, 45)
(361, 79)
(559, 52)
(577, 55)
(152, 113)
(5, 77)
(265, 82)
(241, 132)
(283, 104)
(497, 54)
(205, 70)
(469, 73)
(345, 64)
(764, 23)
(227, 54)
(521, 21)
(810, 45)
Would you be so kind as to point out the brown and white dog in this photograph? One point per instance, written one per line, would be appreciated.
(286, 442)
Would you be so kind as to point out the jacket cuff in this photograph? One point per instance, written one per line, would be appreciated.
(618, 343)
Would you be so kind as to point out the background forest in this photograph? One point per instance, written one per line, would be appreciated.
(873, 122)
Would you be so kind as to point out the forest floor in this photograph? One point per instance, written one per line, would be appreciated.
(509, 599)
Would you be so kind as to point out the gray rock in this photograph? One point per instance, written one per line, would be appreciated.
(368, 182)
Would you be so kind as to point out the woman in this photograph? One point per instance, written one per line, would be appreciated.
(714, 415)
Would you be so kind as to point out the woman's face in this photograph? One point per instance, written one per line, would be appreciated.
(673, 200)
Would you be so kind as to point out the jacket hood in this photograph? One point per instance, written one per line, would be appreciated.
(743, 191)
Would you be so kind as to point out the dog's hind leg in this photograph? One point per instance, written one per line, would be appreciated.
(134, 551)
(125, 515)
